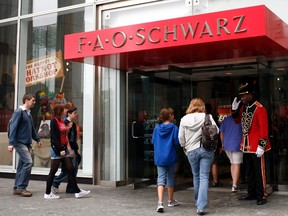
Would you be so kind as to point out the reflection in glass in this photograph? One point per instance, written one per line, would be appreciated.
(35, 6)
(51, 79)
(8, 8)
(7, 62)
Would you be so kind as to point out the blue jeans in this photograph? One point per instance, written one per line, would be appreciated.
(200, 160)
(24, 167)
(64, 174)
(166, 175)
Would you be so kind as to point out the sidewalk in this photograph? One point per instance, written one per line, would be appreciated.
(126, 201)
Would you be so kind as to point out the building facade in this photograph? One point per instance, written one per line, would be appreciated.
(120, 62)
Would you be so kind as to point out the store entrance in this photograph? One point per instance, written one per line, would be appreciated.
(149, 90)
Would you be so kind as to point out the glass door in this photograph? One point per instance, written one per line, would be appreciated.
(141, 121)
(148, 92)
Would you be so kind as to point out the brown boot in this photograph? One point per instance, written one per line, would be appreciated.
(22, 192)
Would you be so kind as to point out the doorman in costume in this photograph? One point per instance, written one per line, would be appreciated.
(255, 140)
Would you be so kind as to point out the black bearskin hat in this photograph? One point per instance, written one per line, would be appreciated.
(247, 86)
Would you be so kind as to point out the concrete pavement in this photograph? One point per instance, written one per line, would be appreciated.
(126, 201)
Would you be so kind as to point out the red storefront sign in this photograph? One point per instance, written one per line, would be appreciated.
(233, 33)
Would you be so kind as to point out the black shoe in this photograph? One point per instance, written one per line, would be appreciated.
(247, 197)
(261, 202)
(216, 184)
(201, 212)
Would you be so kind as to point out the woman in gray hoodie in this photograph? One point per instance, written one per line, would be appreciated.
(199, 158)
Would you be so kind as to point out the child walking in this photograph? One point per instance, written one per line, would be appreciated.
(165, 141)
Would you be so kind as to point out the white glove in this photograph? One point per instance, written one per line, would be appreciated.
(259, 151)
(235, 104)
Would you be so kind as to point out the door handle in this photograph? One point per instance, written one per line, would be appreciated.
(136, 137)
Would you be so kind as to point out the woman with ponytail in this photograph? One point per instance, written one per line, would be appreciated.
(165, 141)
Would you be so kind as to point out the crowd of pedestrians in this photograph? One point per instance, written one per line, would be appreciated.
(63, 148)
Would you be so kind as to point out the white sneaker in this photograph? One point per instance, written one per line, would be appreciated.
(234, 189)
(160, 207)
(51, 196)
(82, 193)
(172, 203)
(55, 190)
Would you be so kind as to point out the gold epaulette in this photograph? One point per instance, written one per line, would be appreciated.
(258, 104)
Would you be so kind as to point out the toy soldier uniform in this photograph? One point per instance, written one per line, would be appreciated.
(255, 140)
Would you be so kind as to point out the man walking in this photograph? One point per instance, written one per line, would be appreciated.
(255, 140)
(21, 133)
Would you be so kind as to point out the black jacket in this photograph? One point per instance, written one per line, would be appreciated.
(55, 137)
(72, 135)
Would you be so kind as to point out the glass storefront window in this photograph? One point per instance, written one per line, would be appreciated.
(8, 35)
(44, 73)
(34, 6)
(276, 92)
(8, 8)
(145, 13)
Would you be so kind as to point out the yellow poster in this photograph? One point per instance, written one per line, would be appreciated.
(42, 69)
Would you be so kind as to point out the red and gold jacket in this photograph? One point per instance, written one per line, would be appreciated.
(254, 122)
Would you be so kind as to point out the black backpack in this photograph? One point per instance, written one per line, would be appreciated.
(209, 139)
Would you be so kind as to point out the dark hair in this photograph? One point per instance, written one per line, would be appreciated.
(58, 110)
(27, 97)
(165, 114)
(71, 110)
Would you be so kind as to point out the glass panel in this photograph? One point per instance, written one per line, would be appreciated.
(47, 75)
(8, 8)
(145, 13)
(148, 92)
(141, 122)
(278, 114)
(8, 35)
(34, 6)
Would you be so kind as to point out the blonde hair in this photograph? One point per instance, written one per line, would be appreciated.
(196, 105)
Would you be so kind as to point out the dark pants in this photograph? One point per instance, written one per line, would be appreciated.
(256, 177)
(64, 174)
(70, 170)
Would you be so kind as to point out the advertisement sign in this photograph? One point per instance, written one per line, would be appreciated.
(203, 37)
(45, 68)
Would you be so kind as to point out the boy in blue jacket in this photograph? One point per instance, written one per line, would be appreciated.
(165, 141)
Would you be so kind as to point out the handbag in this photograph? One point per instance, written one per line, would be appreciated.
(79, 158)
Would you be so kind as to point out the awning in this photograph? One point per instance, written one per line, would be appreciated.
(240, 33)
